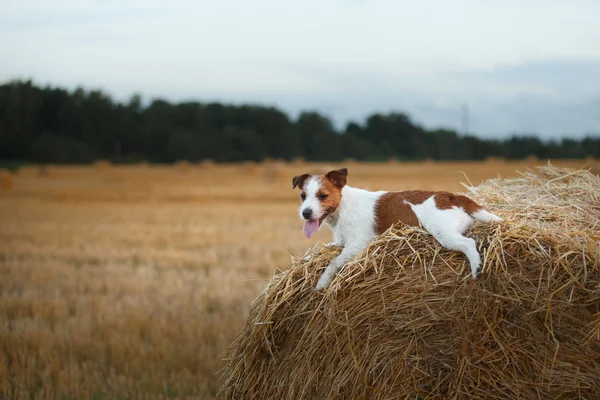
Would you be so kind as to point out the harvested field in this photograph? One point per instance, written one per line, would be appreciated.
(131, 283)
(6, 180)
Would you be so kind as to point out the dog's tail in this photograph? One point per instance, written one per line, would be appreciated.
(475, 210)
(485, 216)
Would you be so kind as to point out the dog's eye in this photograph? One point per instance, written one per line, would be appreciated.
(303, 196)
(323, 196)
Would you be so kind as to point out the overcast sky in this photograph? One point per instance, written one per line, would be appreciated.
(521, 66)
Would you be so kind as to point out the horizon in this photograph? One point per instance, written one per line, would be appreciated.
(146, 101)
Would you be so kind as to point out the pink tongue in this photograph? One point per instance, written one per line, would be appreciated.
(310, 228)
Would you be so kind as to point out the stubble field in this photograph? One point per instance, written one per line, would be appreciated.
(131, 281)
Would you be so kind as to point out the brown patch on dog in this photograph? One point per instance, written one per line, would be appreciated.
(445, 201)
(333, 193)
(391, 207)
(299, 180)
(338, 177)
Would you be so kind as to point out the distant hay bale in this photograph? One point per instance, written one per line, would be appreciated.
(183, 165)
(298, 161)
(404, 319)
(532, 159)
(102, 165)
(273, 172)
(46, 170)
(23, 170)
(249, 168)
(349, 161)
(267, 160)
(494, 160)
(207, 163)
(6, 179)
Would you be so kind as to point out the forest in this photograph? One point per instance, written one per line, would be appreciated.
(55, 125)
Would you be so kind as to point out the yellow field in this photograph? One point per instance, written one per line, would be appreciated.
(130, 282)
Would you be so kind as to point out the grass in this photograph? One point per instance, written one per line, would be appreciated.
(131, 281)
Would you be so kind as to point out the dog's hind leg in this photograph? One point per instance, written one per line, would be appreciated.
(447, 226)
(454, 240)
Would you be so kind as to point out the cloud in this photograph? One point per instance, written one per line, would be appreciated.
(553, 98)
(520, 66)
(560, 78)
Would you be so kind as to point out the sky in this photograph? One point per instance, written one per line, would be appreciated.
(510, 67)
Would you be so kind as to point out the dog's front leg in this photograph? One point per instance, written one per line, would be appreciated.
(336, 264)
(337, 240)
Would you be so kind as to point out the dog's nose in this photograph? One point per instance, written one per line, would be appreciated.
(307, 213)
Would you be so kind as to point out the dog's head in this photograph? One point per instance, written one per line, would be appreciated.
(320, 195)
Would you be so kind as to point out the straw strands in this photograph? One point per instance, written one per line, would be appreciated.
(404, 319)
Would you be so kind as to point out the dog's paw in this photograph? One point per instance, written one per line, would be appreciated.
(476, 271)
(322, 283)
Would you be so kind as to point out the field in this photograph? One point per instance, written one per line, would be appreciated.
(131, 281)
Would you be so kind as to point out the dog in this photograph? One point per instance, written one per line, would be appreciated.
(357, 216)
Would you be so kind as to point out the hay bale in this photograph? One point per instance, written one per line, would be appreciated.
(24, 170)
(183, 165)
(532, 159)
(494, 160)
(207, 163)
(46, 171)
(298, 161)
(102, 165)
(249, 168)
(404, 320)
(6, 179)
(273, 172)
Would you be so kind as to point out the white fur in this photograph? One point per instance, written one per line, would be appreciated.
(311, 202)
(354, 220)
(448, 226)
(352, 225)
(485, 216)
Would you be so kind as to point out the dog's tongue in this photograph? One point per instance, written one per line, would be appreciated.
(310, 228)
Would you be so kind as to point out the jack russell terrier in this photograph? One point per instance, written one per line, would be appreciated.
(357, 216)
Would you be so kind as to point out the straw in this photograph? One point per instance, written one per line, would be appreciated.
(405, 320)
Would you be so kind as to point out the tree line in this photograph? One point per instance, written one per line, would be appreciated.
(55, 125)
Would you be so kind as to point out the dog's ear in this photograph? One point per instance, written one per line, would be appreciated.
(338, 177)
(299, 180)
